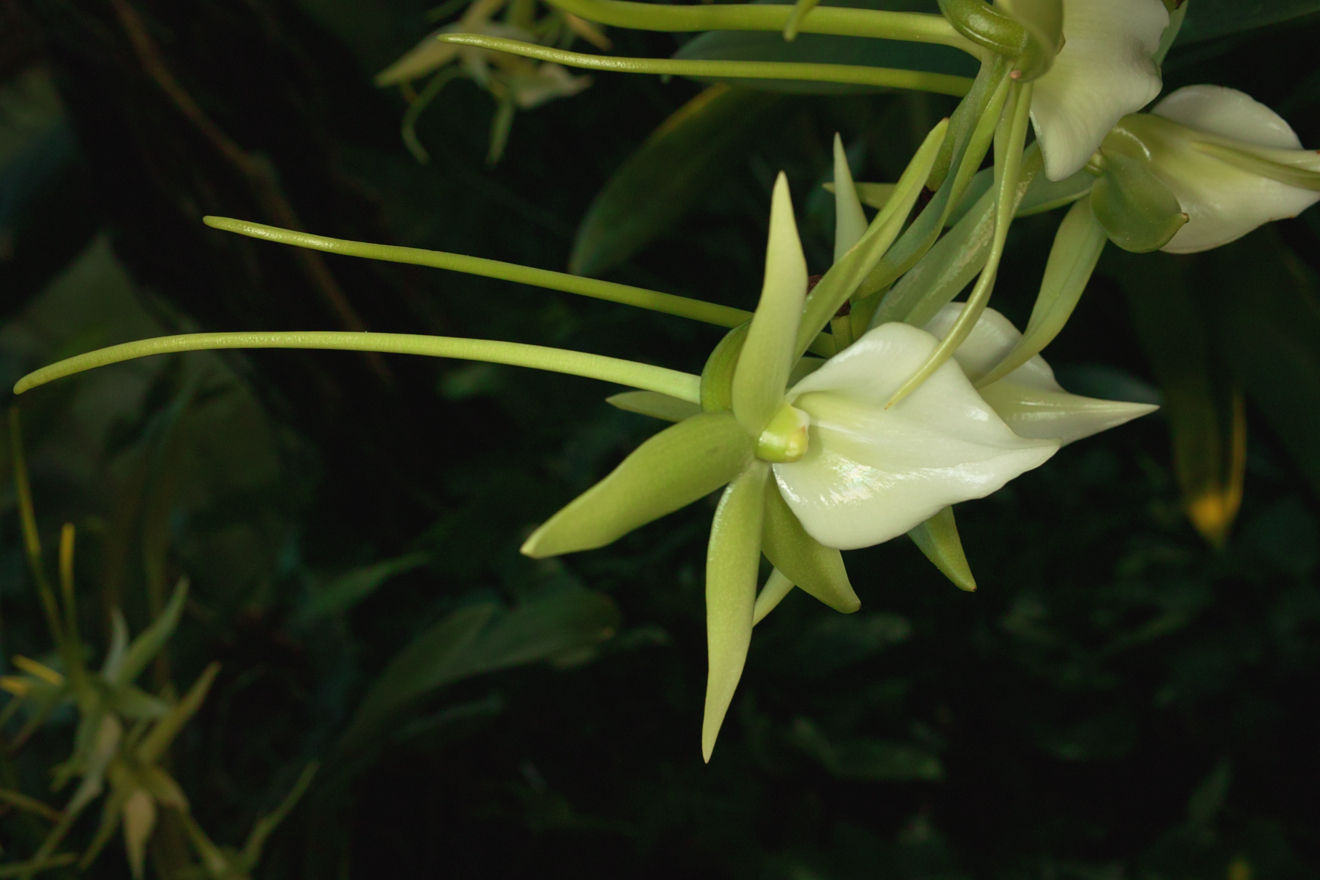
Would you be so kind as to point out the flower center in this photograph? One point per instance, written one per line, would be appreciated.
(785, 437)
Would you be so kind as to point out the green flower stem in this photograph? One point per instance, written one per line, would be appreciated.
(912, 27)
(1010, 142)
(848, 74)
(683, 386)
(624, 294)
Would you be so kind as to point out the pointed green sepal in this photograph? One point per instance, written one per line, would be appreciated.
(671, 470)
(1299, 168)
(1139, 213)
(1073, 256)
(733, 559)
(653, 404)
(151, 640)
(717, 374)
(777, 586)
(817, 569)
(938, 539)
(767, 356)
(849, 218)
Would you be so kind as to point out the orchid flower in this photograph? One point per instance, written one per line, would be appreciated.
(1222, 162)
(810, 469)
(1105, 69)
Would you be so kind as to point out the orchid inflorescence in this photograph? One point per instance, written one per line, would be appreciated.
(842, 414)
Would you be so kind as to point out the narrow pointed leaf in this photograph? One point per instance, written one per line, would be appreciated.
(817, 569)
(767, 356)
(682, 463)
(1076, 250)
(653, 404)
(938, 540)
(152, 639)
(732, 561)
(777, 586)
(849, 219)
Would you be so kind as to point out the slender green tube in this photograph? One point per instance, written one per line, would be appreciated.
(647, 377)
(847, 74)
(624, 294)
(913, 27)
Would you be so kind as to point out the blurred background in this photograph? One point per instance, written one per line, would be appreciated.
(1124, 697)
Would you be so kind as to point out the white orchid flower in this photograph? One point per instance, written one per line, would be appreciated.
(1029, 399)
(1104, 70)
(1232, 163)
(870, 473)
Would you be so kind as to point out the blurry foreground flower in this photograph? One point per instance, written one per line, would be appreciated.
(1223, 160)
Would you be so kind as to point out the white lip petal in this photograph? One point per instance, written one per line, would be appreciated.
(1223, 202)
(1029, 399)
(1104, 71)
(872, 473)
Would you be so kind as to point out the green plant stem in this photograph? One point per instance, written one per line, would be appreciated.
(624, 294)
(913, 27)
(647, 377)
(847, 74)
(1009, 144)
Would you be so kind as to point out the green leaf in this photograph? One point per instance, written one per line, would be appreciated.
(733, 559)
(1139, 213)
(476, 640)
(767, 356)
(830, 49)
(682, 463)
(1208, 19)
(1076, 250)
(350, 588)
(677, 165)
(1201, 404)
(1266, 309)
(803, 560)
(937, 538)
(849, 218)
(870, 760)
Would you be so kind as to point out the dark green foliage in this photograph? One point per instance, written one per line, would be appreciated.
(1116, 699)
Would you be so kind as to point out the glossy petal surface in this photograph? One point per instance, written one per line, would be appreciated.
(1105, 70)
(1224, 202)
(1029, 399)
(872, 473)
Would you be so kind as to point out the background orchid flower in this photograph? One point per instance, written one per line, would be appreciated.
(1104, 70)
(1029, 399)
(1228, 162)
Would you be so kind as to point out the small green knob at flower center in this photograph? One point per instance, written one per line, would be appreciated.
(785, 438)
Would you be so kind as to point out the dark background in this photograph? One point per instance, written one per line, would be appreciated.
(1120, 699)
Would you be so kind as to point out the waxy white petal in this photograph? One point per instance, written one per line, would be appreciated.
(1224, 202)
(870, 473)
(1029, 399)
(1105, 70)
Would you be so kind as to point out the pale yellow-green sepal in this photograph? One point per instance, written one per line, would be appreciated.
(817, 569)
(849, 218)
(653, 404)
(776, 588)
(767, 356)
(937, 538)
(1073, 256)
(671, 470)
(732, 562)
